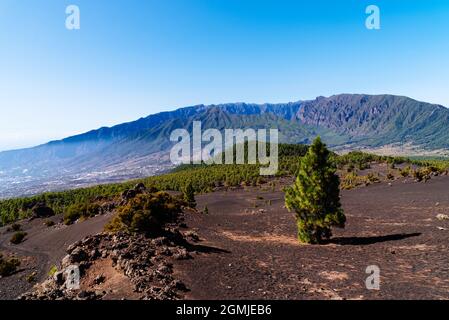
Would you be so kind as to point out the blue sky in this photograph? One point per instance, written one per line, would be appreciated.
(134, 58)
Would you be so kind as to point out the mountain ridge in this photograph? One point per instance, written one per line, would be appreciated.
(140, 147)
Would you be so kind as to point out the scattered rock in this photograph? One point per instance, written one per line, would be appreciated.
(94, 254)
(66, 261)
(442, 217)
(182, 254)
(99, 279)
(183, 225)
(140, 188)
(85, 294)
(31, 277)
(160, 241)
(128, 195)
(78, 255)
(59, 278)
(132, 193)
(192, 235)
(178, 285)
(145, 261)
(73, 247)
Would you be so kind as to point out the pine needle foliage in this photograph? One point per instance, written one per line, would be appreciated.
(315, 196)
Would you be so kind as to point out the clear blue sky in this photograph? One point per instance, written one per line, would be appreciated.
(134, 58)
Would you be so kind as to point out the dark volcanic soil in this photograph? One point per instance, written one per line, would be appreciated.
(393, 227)
(250, 249)
(43, 248)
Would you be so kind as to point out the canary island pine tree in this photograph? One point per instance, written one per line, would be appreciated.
(315, 196)
(189, 195)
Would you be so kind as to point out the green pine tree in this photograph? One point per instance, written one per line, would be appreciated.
(315, 196)
(189, 195)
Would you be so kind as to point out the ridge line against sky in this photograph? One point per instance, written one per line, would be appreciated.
(129, 59)
(205, 105)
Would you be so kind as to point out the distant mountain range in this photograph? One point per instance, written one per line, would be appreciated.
(383, 123)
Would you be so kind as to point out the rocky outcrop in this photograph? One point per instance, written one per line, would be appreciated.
(132, 193)
(147, 262)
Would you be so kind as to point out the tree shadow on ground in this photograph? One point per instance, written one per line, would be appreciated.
(194, 247)
(204, 249)
(360, 241)
(178, 239)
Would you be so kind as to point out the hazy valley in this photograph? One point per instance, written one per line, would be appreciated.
(384, 124)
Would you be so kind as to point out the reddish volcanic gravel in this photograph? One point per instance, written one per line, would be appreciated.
(248, 247)
(256, 255)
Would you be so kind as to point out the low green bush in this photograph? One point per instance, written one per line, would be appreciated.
(189, 195)
(405, 172)
(373, 178)
(422, 174)
(18, 237)
(8, 266)
(146, 213)
(81, 211)
(52, 271)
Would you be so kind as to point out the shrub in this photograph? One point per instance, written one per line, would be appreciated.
(71, 215)
(405, 172)
(371, 177)
(18, 237)
(8, 266)
(14, 227)
(42, 211)
(52, 271)
(422, 174)
(49, 223)
(350, 181)
(363, 165)
(146, 213)
(81, 210)
(189, 195)
(315, 196)
(417, 174)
